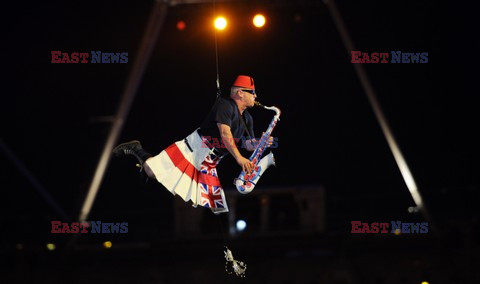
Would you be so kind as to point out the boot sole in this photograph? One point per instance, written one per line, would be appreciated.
(119, 149)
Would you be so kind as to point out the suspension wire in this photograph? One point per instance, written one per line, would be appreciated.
(219, 91)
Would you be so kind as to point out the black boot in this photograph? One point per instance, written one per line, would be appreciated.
(135, 149)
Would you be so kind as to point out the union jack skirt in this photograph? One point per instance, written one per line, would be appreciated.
(188, 168)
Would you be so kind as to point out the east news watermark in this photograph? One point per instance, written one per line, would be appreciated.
(389, 57)
(94, 56)
(392, 227)
(91, 227)
(214, 142)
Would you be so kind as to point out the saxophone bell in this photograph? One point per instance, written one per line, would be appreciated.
(245, 183)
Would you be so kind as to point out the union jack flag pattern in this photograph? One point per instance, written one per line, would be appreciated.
(211, 196)
(189, 171)
(209, 165)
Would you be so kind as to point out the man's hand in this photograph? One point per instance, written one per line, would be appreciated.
(251, 144)
(270, 140)
(246, 165)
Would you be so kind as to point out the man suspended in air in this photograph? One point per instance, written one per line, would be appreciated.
(188, 167)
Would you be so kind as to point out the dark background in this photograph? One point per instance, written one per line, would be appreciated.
(55, 119)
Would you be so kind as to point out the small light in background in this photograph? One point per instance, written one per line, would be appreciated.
(107, 244)
(413, 209)
(397, 232)
(425, 282)
(259, 20)
(51, 246)
(241, 225)
(181, 25)
(220, 23)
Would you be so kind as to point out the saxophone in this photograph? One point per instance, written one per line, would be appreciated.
(247, 181)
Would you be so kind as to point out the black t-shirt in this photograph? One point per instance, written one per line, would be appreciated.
(225, 111)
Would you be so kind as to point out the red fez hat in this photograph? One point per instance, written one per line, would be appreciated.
(243, 81)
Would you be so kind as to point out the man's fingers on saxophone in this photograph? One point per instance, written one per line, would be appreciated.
(247, 167)
(270, 141)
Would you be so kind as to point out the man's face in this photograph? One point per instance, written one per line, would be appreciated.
(249, 97)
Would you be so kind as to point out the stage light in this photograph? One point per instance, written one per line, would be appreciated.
(220, 23)
(107, 244)
(425, 282)
(241, 225)
(397, 232)
(181, 25)
(259, 20)
(51, 246)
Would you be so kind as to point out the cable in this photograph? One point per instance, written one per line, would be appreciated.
(219, 91)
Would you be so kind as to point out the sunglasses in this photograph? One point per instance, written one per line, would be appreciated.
(249, 91)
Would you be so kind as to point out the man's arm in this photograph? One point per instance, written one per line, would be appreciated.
(229, 142)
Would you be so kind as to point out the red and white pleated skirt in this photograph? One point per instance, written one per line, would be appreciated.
(188, 168)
